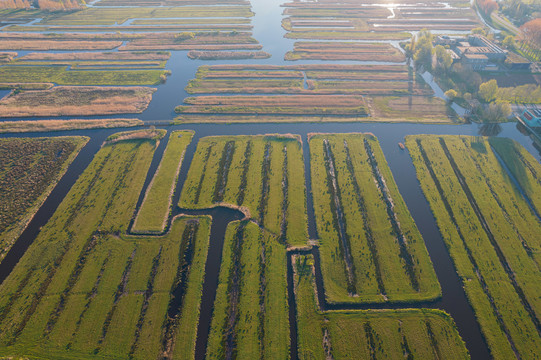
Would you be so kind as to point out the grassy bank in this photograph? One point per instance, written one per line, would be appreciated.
(62, 76)
(372, 334)
(62, 125)
(490, 233)
(99, 292)
(156, 206)
(371, 250)
(250, 317)
(29, 170)
(262, 174)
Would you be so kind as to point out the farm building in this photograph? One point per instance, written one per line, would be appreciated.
(532, 117)
(476, 61)
(481, 45)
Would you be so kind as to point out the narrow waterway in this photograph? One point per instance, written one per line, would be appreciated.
(268, 31)
(453, 300)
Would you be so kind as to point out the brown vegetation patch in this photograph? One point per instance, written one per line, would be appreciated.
(26, 86)
(277, 100)
(171, 2)
(412, 107)
(227, 55)
(345, 51)
(359, 75)
(151, 45)
(314, 67)
(60, 125)
(125, 55)
(347, 105)
(6, 57)
(76, 101)
(136, 134)
(275, 74)
(57, 45)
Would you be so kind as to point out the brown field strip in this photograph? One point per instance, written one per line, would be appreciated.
(76, 101)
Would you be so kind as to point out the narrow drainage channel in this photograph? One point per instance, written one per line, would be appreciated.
(221, 217)
(501, 256)
(454, 300)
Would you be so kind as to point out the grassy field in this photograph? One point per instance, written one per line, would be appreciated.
(347, 35)
(26, 86)
(427, 109)
(327, 20)
(110, 16)
(345, 51)
(371, 250)
(244, 85)
(227, 55)
(29, 170)
(347, 105)
(99, 292)
(93, 60)
(113, 15)
(40, 45)
(62, 125)
(324, 92)
(156, 206)
(135, 38)
(372, 334)
(146, 26)
(250, 317)
(344, 69)
(76, 101)
(125, 56)
(523, 166)
(491, 234)
(261, 174)
(171, 2)
(62, 76)
(323, 79)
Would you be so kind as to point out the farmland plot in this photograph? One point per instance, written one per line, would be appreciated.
(29, 170)
(370, 334)
(100, 291)
(371, 250)
(255, 175)
(492, 235)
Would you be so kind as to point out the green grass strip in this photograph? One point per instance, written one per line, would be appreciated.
(390, 334)
(156, 206)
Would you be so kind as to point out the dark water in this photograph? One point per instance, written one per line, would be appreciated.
(268, 31)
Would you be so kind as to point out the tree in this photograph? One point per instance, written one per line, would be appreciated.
(423, 49)
(509, 42)
(531, 35)
(451, 94)
(487, 6)
(488, 90)
(497, 111)
(443, 58)
(466, 79)
(410, 49)
(479, 31)
(14, 4)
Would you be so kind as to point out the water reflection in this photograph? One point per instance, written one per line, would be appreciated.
(491, 129)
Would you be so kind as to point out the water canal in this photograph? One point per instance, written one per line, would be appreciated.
(268, 31)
